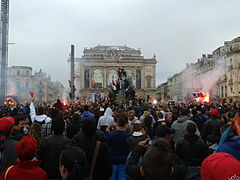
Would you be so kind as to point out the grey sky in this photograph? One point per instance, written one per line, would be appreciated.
(177, 31)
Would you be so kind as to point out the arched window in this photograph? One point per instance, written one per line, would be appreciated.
(112, 75)
(18, 84)
(98, 78)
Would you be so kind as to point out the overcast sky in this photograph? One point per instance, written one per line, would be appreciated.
(177, 31)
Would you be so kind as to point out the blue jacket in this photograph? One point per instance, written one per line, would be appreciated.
(117, 142)
(231, 146)
(86, 115)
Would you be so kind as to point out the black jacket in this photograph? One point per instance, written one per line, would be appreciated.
(49, 153)
(9, 154)
(73, 129)
(134, 140)
(103, 168)
(191, 149)
(17, 135)
(212, 127)
(133, 166)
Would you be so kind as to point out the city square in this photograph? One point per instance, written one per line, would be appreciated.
(119, 90)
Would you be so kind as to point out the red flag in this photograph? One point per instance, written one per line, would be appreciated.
(31, 93)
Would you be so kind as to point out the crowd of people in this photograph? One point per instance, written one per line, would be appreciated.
(166, 141)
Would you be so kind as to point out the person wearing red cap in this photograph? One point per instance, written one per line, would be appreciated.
(26, 166)
(212, 126)
(220, 166)
(8, 155)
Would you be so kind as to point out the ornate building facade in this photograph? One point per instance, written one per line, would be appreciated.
(98, 68)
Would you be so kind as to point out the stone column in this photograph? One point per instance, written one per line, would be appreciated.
(143, 77)
(90, 77)
(105, 77)
(82, 78)
(134, 76)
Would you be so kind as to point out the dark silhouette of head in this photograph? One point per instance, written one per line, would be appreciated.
(86, 108)
(73, 164)
(89, 127)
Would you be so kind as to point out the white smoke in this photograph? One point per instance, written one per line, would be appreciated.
(11, 89)
(209, 79)
(206, 79)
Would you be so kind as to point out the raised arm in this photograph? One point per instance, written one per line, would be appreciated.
(32, 110)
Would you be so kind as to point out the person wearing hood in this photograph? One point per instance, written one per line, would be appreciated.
(231, 145)
(191, 148)
(86, 114)
(39, 116)
(181, 123)
(106, 120)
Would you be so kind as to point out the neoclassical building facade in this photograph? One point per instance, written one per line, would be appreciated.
(98, 68)
(21, 80)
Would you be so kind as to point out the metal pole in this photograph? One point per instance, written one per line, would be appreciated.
(4, 46)
(72, 74)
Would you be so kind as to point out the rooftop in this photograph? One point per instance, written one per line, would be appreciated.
(20, 67)
(105, 48)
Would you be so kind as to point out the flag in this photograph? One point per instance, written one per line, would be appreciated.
(200, 94)
(236, 123)
(31, 93)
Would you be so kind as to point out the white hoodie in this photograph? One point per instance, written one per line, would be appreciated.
(106, 119)
(38, 118)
